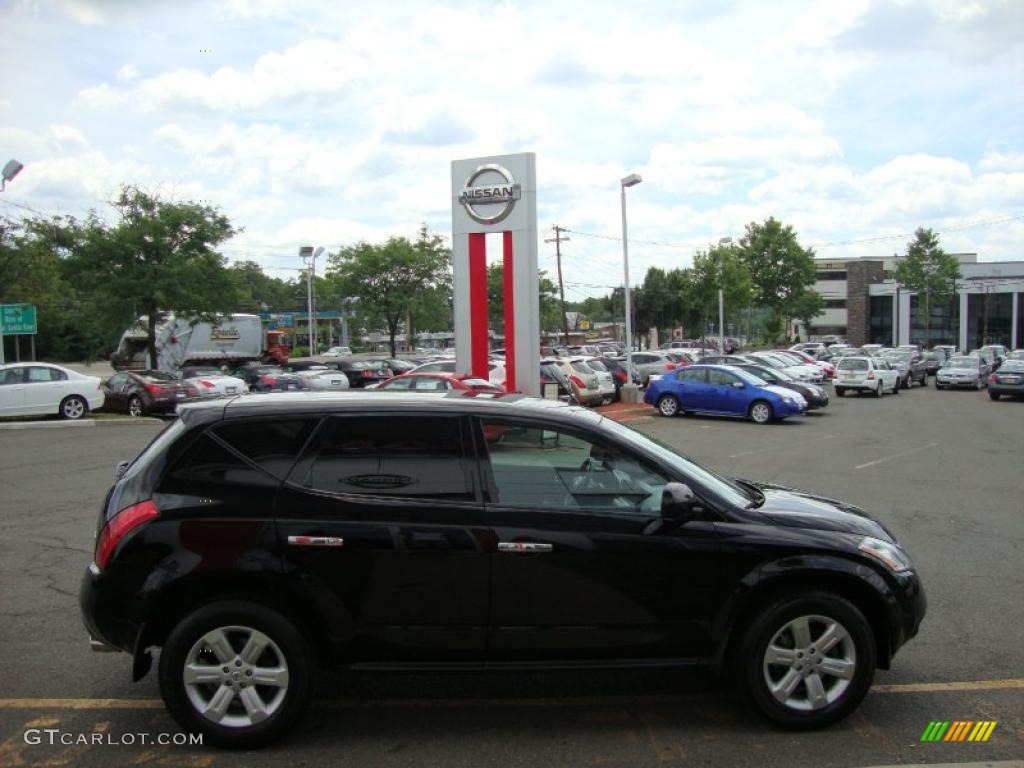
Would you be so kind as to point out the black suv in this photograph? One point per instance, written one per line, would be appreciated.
(258, 538)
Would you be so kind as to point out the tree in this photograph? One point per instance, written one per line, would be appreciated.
(719, 266)
(550, 314)
(392, 280)
(257, 290)
(782, 273)
(929, 271)
(158, 258)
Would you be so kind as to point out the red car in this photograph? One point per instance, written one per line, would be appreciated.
(439, 381)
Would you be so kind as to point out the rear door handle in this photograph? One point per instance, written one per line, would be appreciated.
(523, 547)
(316, 541)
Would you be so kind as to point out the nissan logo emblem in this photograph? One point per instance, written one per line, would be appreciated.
(503, 194)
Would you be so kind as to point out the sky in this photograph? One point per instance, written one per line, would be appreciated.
(329, 123)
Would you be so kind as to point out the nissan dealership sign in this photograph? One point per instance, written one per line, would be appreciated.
(490, 203)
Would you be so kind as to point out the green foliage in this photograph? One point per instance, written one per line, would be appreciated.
(721, 266)
(928, 270)
(394, 281)
(157, 259)
(550, 315)
(257, 291)
(782, 273)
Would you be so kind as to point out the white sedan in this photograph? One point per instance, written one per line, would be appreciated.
(213, 382)
(28, 389)
(325, 379)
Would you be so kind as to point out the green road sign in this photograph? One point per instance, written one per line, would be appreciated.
(17, 319)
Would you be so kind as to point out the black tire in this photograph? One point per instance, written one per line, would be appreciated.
(135, 406)
(897, 387)
(840, 392)
(668, 405)
(881, 388)
(755, 674)
(287, 645)
(993, 395)
(72, 407)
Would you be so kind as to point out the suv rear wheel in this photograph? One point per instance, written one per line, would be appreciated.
(807, 660)
(236, 672)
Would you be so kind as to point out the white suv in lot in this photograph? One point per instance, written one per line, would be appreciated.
(865, 374)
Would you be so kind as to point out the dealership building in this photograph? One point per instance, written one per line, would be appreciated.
(864, 304)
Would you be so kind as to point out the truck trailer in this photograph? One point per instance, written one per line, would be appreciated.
(231, 340)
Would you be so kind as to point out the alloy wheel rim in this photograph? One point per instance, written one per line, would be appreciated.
(134, 407)
(669, 406)
(235, 676)
(73, 409)
(761, 412)
(809, 663)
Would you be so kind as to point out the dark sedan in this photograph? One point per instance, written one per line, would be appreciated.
(815, 396)
(1008, 380)
(140, 393)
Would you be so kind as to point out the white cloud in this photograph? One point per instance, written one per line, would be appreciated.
(127, 73)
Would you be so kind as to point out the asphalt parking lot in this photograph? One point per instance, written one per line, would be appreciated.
(941, 469)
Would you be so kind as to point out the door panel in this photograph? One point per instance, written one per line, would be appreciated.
(406, 576)
(609, 581)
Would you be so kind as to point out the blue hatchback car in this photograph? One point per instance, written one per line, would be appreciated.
(722, 390)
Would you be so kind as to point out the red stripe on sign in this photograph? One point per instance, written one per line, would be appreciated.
(478, 345)
(510, 315)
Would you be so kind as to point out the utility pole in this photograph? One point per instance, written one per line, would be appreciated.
(557, 240)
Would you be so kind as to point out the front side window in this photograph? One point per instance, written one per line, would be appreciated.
(720, 378)
(548, 468)
(416, 457)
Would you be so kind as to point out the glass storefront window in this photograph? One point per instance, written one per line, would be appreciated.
(881, 320)
(989, 316)
(943, 327)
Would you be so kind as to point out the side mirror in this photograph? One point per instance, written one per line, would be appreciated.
(677, 501)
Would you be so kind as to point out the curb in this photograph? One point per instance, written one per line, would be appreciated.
(81, 423)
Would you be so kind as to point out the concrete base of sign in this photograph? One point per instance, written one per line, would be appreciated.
(630, 393)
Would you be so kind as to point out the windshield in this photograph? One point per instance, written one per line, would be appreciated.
(961, 362)
(750, 377)
(1012, 366)
(727, 490)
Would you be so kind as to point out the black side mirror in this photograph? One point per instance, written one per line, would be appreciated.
(677, 501)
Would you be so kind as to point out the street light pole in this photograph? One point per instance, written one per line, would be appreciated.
(309, 256)
(721, 293)
(628, 392)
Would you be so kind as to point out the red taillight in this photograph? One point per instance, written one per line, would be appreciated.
(870, 376)
(992, 379)
(206, 383)
(621, 375)
(367, 374)
(120, 525)
(268, 380)
(578, 382)
(155, 389)
(670, 366)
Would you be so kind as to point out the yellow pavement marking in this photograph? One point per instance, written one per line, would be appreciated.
(85, 704)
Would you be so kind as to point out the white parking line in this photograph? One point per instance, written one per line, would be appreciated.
(775, 447)
(897, 455)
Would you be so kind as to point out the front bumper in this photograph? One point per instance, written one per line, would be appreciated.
(969, 383)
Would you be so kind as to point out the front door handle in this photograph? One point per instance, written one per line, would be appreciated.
(523, 547)
(316, 541)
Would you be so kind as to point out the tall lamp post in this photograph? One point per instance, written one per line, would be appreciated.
(309, 256)
(629, 392)
(721, 294)
(11, 169)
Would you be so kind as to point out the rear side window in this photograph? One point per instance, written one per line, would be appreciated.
(416, 457)
(273, 444)
(208, 462)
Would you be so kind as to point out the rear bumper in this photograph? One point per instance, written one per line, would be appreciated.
(108, 631)
(1007, 389)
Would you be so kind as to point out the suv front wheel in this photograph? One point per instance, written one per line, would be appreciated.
(807, 660)
(236, 672)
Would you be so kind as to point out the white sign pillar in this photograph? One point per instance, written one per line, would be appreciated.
(497, 195)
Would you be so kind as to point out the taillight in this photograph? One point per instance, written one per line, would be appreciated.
(670, 366)
(155, 389)
(621, 375)
(206, 383)
(367, 374)
(268, 380)
(992, 379)
(870, 376)
(120, 525)
(577, 381)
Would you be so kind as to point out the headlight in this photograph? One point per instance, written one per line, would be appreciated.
(888, 553)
